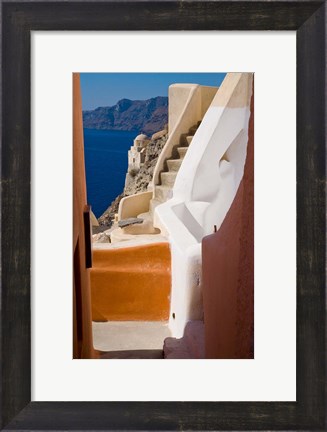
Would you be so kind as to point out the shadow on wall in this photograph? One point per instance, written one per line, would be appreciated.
(228, 273)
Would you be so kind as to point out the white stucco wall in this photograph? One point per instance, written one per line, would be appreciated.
(207, 95)
(178, 97)
(205, 187)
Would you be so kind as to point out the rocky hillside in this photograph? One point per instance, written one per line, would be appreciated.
(147, 116)
(141, 179)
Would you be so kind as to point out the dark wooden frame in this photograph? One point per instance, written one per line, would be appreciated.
(308, 18)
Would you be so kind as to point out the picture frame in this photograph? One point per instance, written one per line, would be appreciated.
(308, 18)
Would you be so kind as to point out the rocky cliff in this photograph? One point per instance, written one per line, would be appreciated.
(147, 116)
(141, 179)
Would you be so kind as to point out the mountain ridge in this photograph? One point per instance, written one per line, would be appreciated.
(142, 116)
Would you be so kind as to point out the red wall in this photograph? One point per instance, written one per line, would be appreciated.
(228, 273)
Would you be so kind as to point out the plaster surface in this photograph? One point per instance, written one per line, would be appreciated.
(133, 205)
(184, 112)
(204, 190)
(228, 273)
(82, 331)
(190, 346)
(187, 106)
(131, 283)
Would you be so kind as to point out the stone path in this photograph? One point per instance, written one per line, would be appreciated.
(130, 339)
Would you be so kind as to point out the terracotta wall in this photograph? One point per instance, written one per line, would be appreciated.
(228, 273)
(82, 324)
(132, 283)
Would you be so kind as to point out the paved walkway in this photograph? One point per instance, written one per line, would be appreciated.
(130, 339)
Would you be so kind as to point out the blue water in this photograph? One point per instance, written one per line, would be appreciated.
(105, 165)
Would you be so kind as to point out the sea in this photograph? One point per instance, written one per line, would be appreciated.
(105, 165)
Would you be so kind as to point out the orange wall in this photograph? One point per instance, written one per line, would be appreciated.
(82, 323)
(131, 283)
(228, 273)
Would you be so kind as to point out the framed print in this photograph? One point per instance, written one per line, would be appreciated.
(124, 409)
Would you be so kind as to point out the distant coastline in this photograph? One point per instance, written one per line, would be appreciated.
(146, 116)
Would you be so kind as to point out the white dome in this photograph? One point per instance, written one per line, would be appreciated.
(141, 137)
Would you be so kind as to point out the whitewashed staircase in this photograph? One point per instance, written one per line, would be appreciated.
(163, 191)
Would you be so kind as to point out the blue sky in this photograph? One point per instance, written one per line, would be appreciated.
(106, 89)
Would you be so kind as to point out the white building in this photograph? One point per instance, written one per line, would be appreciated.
(136, 156)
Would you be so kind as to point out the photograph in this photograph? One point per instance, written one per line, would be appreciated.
(163, 215)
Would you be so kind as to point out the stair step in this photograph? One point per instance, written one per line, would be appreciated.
(168, 178)
(189, 139)
(163, 193)
(190, 346)
(126, 339)
(193, 129)
(116, 259)
(131, 283)
(174, 164)
(182, 151)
